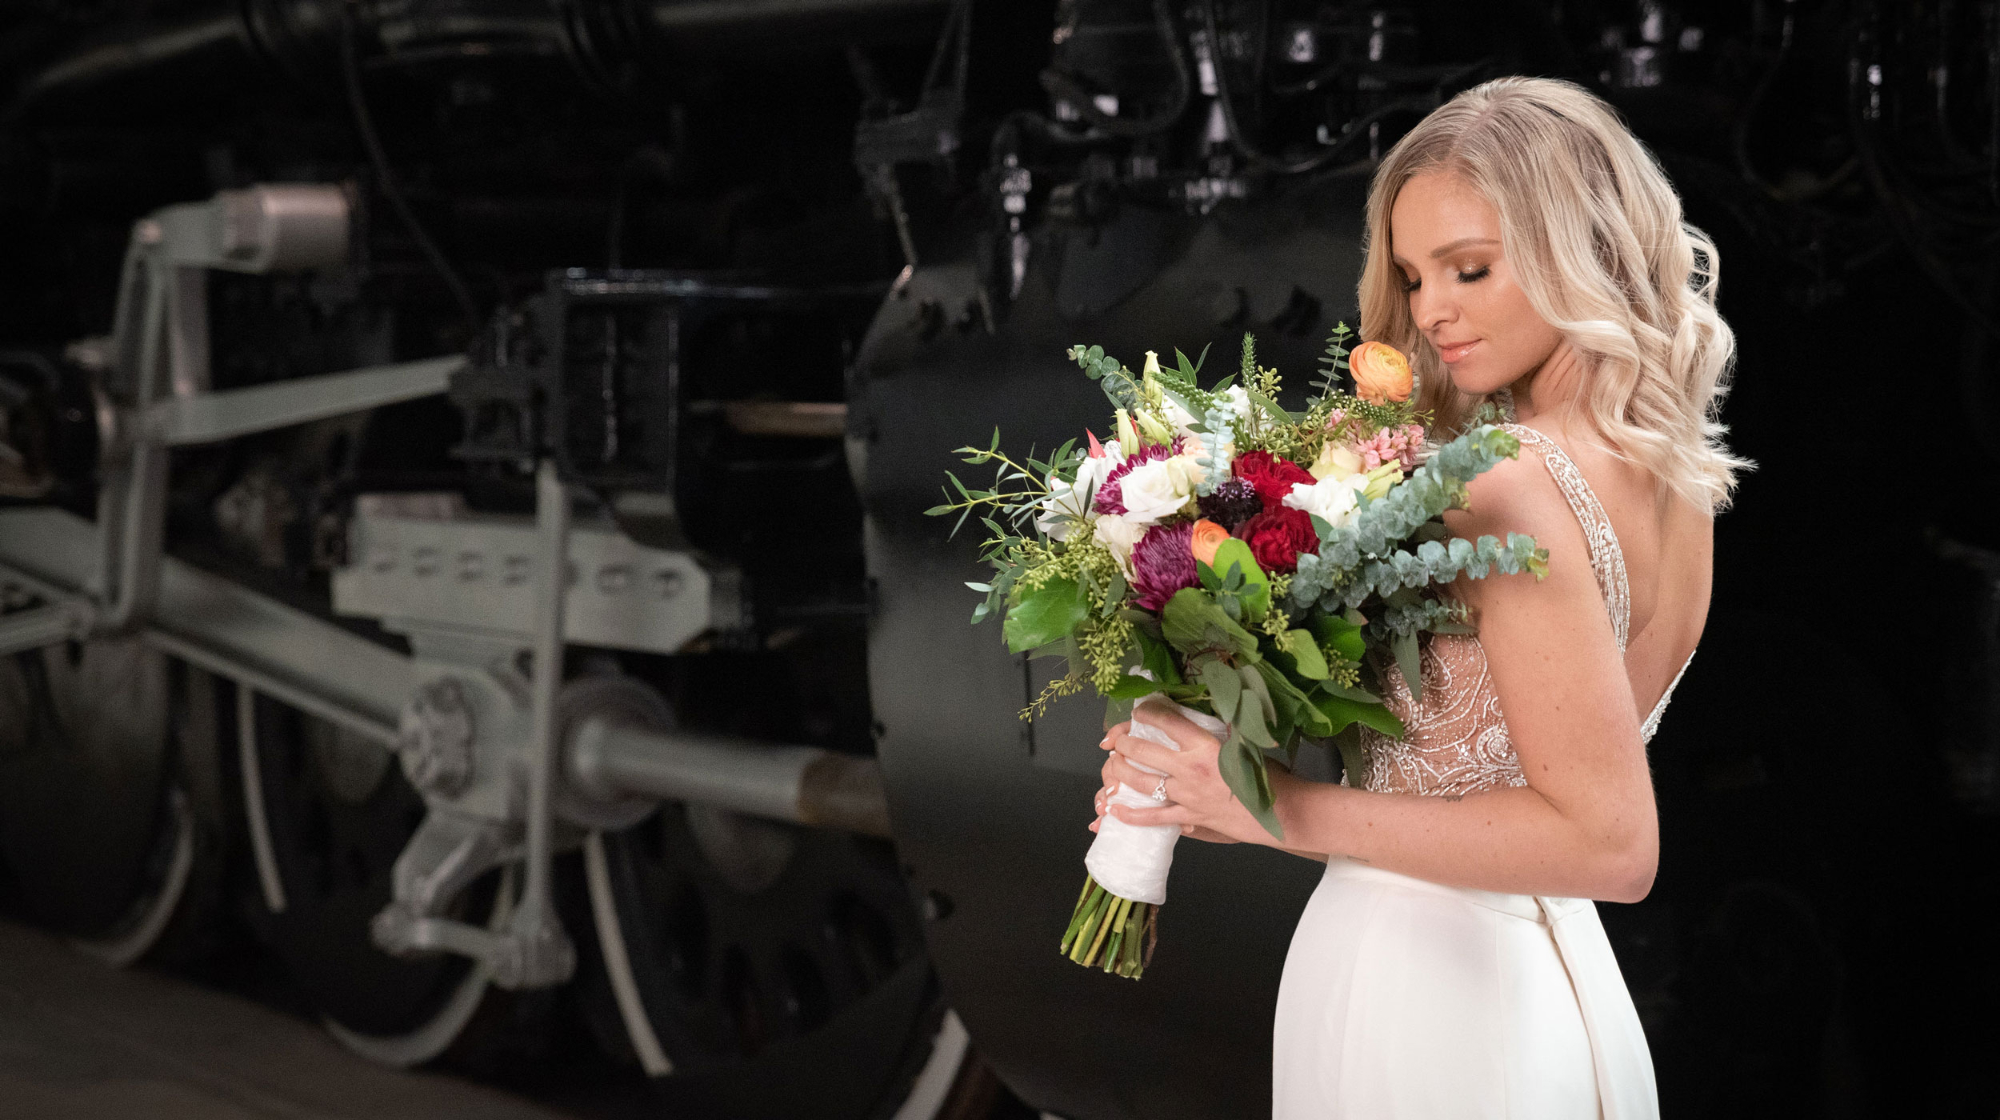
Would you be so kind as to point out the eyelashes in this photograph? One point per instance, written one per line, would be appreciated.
(1473, 277)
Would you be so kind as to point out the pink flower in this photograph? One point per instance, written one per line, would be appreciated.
(1392, 444)
(1162, 563)
(1110, 498)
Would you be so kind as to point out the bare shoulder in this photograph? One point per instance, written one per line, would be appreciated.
(1521, 496)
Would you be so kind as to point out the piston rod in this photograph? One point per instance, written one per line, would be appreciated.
(803, 785)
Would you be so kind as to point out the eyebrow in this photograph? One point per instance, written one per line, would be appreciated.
(1453, 247)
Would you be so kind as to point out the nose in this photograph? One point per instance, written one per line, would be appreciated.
(1431, 306)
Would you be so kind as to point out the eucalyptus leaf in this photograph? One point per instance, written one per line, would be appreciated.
(1405, 648)
(1242, 769)
(1225, 688)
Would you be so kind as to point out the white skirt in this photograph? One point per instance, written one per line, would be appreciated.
(1407, 999)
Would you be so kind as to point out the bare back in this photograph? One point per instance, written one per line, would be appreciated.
(1669, 549)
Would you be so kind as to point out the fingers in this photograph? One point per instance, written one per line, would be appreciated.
(1120, 769)
(1178, 727)
(1169, 813)
(1146, 753)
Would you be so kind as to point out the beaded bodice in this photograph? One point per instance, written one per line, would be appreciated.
(1455, 740)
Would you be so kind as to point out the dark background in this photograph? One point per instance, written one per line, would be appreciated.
(1829, 774)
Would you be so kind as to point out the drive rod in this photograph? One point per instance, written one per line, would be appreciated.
(803, 785)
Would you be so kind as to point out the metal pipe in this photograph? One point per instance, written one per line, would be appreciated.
(803, 785)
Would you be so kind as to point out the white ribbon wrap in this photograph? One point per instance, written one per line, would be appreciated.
(1129, 860)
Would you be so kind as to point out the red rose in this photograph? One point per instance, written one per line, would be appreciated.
(1277, 536)
(1272, 477)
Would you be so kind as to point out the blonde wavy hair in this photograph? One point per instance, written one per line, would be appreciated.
(1594, 232)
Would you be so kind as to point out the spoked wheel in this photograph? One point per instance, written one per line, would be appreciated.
(756, 969)
(104, 832)
(338, 811)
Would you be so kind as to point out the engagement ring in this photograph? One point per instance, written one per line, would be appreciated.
(1160, 791)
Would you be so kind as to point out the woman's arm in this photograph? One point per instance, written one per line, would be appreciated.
(1584, 825)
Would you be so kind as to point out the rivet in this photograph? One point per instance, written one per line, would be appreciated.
(471, 566)
(383, 559)
(666, 583)
(515, 570)
(425, 561)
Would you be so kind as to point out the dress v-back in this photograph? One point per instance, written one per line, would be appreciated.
(1455, 742)
(1405, 998)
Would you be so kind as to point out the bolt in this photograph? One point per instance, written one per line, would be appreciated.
(471, 566)
(613, 579)
(667, 583)
(515, 570)
(425, 561)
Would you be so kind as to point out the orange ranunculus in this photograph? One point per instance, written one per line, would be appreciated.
(1208, 536)
(1381, 373)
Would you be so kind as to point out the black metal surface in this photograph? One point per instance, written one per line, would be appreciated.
(777, 965)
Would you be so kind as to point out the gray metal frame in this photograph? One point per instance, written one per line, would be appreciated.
(500, 756)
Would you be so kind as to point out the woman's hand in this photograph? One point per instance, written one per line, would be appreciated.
(1198, 800)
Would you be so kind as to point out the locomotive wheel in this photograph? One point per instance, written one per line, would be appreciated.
(773, 971)
(110, 834)
(338, 812)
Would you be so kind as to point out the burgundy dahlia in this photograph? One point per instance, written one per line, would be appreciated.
(1234, 502)
(1162, 563)
(1110, 495)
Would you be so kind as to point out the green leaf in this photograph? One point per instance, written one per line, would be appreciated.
(1048, 614)
(1157, 658)
(1353, 760)
(1306, 656)
(1339, 635)
(1344, 713)
(1116, 711)
(1242, 768)
(1225, 688)
(1405, 647)
(1130, 687)
(1191, 621)
(1256, 712)
(1256, 585)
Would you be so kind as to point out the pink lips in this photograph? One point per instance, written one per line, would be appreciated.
(1455, 351)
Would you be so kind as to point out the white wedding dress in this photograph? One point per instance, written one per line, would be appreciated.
(1403, 998)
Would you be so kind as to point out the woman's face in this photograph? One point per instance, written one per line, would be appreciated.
(1462, 291)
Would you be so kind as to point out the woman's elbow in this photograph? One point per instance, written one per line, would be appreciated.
(1629, 872)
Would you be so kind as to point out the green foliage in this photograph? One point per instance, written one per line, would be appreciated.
(1046, 615)
(1333, 363)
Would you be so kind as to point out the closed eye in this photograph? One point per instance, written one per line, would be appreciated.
(1473, 277)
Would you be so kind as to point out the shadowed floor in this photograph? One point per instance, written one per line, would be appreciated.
(80, 1041)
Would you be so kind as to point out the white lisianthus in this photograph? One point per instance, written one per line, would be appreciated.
(1118, 534)
(1069, 503)
(1181, 420)
(1332, 500)
(1238, 399)
(1156, 490)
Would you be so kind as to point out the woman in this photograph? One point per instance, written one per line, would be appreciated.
(1523, 245)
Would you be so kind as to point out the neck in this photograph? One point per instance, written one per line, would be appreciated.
(1546, 391)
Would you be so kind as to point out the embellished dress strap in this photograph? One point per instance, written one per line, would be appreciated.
(1607, 559)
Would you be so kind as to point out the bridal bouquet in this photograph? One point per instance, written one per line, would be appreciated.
(1258, 567)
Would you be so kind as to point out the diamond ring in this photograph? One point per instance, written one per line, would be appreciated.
(1160, 791)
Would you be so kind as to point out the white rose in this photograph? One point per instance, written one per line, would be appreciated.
(1332, 500)
(1119, 534)
(1151, 491)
